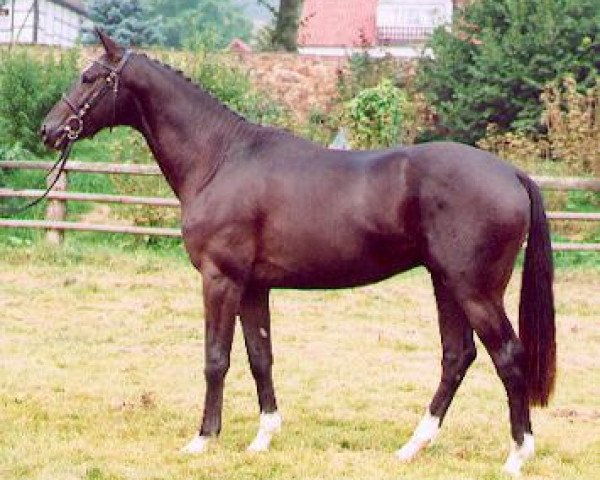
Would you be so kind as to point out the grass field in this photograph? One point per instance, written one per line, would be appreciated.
(101, 378)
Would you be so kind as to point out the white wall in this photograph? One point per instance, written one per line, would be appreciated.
(21, 9)
(412, 18)
(399, 51)
(57, 25)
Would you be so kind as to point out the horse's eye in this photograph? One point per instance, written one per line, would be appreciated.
(86, 78)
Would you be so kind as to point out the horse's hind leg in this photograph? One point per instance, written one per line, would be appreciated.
(489, 320)
(458, 352)
(256, 324)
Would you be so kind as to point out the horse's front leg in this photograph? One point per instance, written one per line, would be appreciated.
(256, 324)
(221, 303)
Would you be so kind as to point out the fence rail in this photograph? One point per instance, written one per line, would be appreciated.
(549, 183)
(55, 222)
(174, 203)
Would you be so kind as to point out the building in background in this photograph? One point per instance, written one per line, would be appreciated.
(379, 27)
(43, 22)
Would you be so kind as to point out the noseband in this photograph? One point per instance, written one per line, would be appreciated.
(73, 126)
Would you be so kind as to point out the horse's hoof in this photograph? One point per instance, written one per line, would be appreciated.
(410, 451)
(259, 445)
(518, 455)
(423, 436)
(198, 445)
(270, 425)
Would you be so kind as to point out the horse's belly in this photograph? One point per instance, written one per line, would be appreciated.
(329, 266)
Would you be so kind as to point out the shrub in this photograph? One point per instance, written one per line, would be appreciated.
(571, 122)
(320, 127)
(232, 86)
(569, 146)
(377, 116)
(29, 87)
(364, 71)
(493, 65)
(217, 74)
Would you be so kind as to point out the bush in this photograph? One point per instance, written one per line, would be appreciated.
(29, 88)
(364, 71)
(233, 87)
(499, 56)
(218, 75)
(377, 116)
(568, 146)
(571, 123)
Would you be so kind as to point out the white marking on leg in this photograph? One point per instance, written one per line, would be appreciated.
(518, 455)
(423, 436)
(199, 444)
(263, 332)
(270, 424)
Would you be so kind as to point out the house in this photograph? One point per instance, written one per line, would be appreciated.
(379, 27)
(44, 22)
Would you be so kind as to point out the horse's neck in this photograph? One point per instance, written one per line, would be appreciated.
(187, 130)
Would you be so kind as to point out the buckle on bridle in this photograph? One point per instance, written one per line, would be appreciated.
(73, 132)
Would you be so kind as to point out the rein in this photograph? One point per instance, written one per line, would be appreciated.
(74, 125)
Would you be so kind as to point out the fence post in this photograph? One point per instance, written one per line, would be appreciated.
(57, 209)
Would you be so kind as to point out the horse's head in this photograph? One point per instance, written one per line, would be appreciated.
(96, 100)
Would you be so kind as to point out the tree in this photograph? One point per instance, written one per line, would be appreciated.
(284, 34)
(185, 21)
(127, 21)
(286, 27)
(494, 64)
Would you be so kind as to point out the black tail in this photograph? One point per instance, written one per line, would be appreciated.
(536, 308)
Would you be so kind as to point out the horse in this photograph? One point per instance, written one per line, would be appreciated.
(262, 209)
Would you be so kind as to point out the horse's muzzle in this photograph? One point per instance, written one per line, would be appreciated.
(55, 139)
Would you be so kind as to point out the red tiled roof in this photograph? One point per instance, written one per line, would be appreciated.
(337, 23)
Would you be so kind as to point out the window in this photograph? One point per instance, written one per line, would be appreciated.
(410, 21)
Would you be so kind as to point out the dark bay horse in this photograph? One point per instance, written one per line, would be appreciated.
(263, 209)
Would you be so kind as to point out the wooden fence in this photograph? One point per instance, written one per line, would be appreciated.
(55, 223)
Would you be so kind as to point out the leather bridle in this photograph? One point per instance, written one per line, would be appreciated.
(74, 125)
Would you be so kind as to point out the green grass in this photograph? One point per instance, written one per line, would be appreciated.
(101, 377)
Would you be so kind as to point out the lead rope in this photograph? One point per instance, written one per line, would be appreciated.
(60, 163)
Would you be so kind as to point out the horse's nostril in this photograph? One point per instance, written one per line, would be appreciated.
(43, 130)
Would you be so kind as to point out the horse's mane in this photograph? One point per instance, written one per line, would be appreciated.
(201, 89)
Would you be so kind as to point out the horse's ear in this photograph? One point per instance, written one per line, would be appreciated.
(113, 49)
